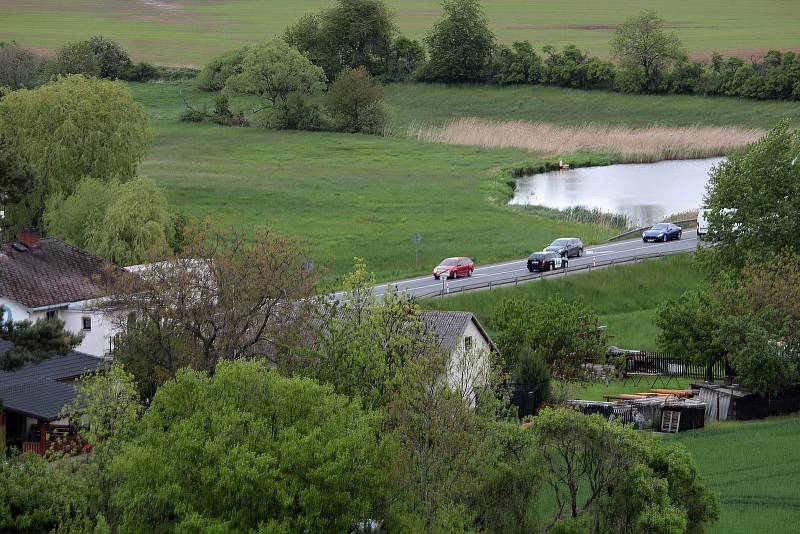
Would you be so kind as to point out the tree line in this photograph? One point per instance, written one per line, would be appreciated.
(98, 56)
(460, 48)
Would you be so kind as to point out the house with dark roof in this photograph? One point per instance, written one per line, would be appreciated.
(470, 348)
(32, 396)
(46, 278)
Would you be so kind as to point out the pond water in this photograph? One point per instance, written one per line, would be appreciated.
(646, 193)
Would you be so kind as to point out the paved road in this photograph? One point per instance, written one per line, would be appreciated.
(496, 273)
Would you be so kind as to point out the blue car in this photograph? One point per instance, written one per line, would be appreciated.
(662, 232)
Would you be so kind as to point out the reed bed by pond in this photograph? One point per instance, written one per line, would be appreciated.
(630, 145)
(581, 214)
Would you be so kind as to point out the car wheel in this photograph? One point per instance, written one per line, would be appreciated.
(679, 235)
(454, 274)
(666, 238)
(580, 252)
(469, 274)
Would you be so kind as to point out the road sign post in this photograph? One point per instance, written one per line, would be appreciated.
(417, 240)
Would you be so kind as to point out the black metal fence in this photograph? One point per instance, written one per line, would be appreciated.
(667, 365)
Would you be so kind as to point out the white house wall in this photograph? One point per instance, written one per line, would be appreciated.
(96, 341)
(467, 370)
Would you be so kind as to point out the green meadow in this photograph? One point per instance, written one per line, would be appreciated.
(355, 195)
(436, 104)
(189, 32)
(345, 195)
(754, 467)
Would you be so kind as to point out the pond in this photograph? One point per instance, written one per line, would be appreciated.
(646, 193)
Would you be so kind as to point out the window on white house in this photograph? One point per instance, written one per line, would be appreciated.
(87, 323)
(468, 343)
(50, 315)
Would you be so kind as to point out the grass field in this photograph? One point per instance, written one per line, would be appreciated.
(437, 104)
(344, 195)
(754, 467)
(189, 32)
(625, 297)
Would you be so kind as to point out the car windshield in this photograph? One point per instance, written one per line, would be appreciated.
(660, 227)
(559, 242)
(449, 261)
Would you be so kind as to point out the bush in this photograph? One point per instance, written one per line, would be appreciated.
(75, 58)
(518, 64)
(356, 103)
(218, 70)
(573, 68)
(193, 115)
(19, 67)
(140, 72)
(110, 57)
(406, 57)
(532, 370)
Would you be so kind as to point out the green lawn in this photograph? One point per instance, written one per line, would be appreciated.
(438, 103)
(183, 32)
(625, 297)
(754, 467)
(344, 195)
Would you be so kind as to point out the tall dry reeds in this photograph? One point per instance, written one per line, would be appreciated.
(630, 145)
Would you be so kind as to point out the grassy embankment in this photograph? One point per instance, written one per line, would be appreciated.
(189, 32)
(625, 297)
(754, 467)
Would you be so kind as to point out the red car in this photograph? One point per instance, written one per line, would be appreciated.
(454, 268)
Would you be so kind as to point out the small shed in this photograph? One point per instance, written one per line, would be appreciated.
(736, 402)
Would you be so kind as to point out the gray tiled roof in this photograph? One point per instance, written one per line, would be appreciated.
(49, 274)
(35, 390)
(447, 326)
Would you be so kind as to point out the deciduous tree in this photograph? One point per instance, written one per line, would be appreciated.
(619, 479)
(285, 79)
(356, 102)
(19, 67)
(70, 128)
(126, 223)
(642, 45)
(753, 200)
(564, 334)
(352, 34)
(248, 450)
(460, 44)
(224, 296)
(75, 58)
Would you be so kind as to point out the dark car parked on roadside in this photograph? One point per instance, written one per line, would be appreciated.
(546, 261)
(567, 247)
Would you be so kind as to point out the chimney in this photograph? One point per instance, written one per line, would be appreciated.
(30, 237)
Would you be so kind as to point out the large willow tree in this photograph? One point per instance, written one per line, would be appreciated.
(67, 129)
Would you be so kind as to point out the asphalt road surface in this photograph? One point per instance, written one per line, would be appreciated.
(497, 273)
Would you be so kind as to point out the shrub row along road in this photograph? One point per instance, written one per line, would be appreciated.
(508, 272)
